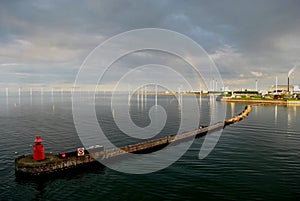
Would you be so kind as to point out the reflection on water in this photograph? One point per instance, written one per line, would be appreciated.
(232, 106)
(19, 96)
(292, 114)
(275, 115)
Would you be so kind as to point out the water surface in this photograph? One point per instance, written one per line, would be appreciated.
(257, 158)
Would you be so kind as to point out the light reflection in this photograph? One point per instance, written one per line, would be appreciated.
(19, 96)
(142, 99)
(138, 99)
(145, 97)
(156, 95)
(52, 94)
(30, 91)
(62, 94)
(129, 97)
(276, 113)
(232, 105)
(42, 96)
(200, 100)
(289, 115)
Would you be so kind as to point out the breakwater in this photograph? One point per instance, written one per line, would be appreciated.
(27, 166)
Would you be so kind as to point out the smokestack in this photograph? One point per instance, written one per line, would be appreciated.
(290, 72)
(276, 85)
(288, 89)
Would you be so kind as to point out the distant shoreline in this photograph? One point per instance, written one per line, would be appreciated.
(184, 94)
(261, 101)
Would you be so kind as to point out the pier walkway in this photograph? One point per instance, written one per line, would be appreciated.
(25, 165)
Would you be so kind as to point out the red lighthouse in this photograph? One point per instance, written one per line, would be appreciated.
(38, 149)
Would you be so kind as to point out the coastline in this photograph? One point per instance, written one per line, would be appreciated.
(262, 102)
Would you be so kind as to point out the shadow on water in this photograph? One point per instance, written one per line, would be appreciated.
(78, 172)
(40, 185)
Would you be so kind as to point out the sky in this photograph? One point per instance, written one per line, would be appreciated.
(43, 43)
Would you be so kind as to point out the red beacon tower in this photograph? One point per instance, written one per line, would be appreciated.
(38, 149)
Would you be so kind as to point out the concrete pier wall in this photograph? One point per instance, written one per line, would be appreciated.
(26, 165)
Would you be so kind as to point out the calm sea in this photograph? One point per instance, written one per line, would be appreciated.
(256, 159)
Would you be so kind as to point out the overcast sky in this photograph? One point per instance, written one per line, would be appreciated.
(43, 43)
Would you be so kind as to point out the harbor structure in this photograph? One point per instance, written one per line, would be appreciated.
(41, 164)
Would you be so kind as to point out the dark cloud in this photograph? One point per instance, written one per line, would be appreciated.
(242, 36)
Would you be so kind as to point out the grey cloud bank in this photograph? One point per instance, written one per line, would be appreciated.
(44, 42)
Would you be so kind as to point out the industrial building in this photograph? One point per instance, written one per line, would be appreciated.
(284, 88)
